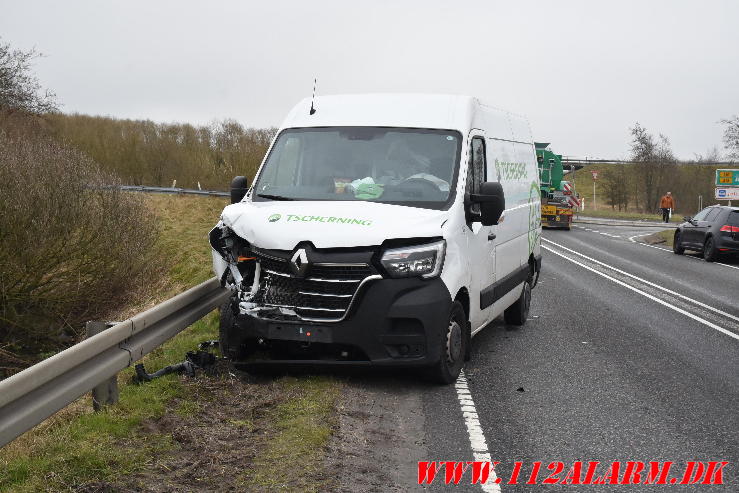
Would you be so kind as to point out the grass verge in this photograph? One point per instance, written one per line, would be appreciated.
(303, 425)
(631, 216)
(665, 238)
(77, 447)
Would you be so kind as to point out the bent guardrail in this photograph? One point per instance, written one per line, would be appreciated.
(29, 397)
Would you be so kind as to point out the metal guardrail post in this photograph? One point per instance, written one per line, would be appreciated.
(29, 397)
(105, 393)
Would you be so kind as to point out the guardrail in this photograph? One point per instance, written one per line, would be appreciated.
(175, 190)
(29, 397)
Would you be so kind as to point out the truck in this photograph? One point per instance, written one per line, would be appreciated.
(559, 200)
(380, 230)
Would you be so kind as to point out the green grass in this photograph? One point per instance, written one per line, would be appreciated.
(669, 236)
(632, 216)
(304, 426)
(79, 446)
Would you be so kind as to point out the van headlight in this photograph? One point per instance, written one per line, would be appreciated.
(425, 260)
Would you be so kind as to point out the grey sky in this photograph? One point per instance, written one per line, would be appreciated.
(582, 71)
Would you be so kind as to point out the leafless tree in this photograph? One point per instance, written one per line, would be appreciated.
(713, 155)
(731, 136)
(653, 160)
(19, 87)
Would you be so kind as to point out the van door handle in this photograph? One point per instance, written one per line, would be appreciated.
(491, 236)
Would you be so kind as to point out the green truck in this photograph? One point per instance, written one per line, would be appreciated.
(559, 200)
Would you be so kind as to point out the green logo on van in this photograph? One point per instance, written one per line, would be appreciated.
(510, 171)
(274, 218)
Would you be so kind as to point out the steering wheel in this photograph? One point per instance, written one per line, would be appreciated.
(425, 187)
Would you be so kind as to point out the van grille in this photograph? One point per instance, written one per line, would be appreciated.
(325, 293)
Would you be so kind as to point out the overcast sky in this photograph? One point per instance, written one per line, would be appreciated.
(582, 71)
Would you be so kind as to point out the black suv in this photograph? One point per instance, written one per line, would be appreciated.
(713, 231)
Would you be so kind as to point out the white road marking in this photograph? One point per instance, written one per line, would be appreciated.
(647, 295)
(686, 298)
(474, 431)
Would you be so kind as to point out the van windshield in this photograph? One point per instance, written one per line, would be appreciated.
(415, 167)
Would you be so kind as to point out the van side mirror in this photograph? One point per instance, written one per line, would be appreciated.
(492, 202)
(238, 189)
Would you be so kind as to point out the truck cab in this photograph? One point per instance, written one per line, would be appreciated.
(381, 230)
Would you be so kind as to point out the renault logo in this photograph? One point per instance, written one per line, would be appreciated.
(299, 262)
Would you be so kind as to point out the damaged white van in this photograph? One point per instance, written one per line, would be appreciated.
(381, 230)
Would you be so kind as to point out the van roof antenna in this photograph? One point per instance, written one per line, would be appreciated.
(312, 109)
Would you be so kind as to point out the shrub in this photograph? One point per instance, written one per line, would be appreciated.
(69, 249)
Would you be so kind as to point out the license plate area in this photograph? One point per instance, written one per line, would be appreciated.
(302, 333)
(548, 210)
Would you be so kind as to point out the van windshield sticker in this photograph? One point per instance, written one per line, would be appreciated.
(327, 219)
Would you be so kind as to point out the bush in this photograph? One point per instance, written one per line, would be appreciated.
(143, 152)
(69, 249)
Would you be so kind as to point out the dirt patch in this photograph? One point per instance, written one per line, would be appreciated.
(379, 439)
(220, 432)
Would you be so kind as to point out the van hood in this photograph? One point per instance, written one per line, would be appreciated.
(282, 225)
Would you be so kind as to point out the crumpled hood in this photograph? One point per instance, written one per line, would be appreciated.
(282, 225)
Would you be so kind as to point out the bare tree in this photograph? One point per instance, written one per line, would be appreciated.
(653, 160)
(731, 136)
(19, 87)
(712, 155)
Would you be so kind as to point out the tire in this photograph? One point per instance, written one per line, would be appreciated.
(453, 347)
(225, 328)
(517, 313)
(677, 246)
(709, 250)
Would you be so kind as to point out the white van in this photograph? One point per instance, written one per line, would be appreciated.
(381, 229)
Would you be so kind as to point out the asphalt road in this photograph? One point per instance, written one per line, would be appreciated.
(631, 353)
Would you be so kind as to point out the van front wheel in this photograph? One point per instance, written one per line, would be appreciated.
(228, 350)
(453, 347)
(517, 313)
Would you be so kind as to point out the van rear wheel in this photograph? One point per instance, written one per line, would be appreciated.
(453, 347)
(517, 313)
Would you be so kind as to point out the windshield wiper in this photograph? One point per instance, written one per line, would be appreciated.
(273, 197)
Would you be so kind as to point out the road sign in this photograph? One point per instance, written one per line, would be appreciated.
(727, 193)
(727, 178)
(595, 174)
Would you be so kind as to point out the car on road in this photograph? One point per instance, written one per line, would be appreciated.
(714, 231)
(382, 230)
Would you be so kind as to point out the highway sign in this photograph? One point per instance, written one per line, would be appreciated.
(595, 174)
(724, 193)
(727, 178)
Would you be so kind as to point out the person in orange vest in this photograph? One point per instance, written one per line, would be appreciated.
(667, 204)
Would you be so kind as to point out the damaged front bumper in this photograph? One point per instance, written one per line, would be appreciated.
(326, 306)
(394, 322)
